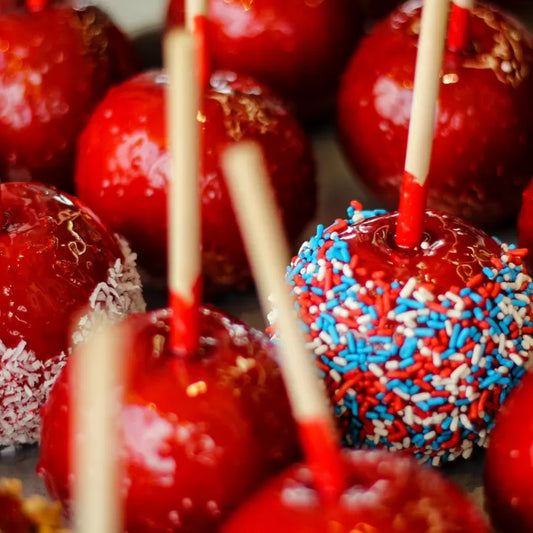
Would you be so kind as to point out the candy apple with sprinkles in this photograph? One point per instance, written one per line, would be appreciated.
(420, 324)
(61, 270)
(355, 491)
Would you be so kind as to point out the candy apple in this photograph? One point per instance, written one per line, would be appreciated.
(385, 494)
(484, 127)
(123, 167)
(300, 49)
(57, 263)
(525, 224)
(55, 65)
(417, 348)
(509, 463)
(199, 433)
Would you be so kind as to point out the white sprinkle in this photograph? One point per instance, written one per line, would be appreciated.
(335, 375)
(408, 288)
(375, 369)
(430, 435)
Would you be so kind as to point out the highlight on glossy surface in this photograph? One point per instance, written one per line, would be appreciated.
(98, 378)
(422, 123)
(268, 253)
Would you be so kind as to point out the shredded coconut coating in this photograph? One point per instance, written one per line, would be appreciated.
(26, 382)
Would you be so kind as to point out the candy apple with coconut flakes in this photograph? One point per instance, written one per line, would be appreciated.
(123, 167)
(299, 48)
(200, 431)
(56, 63)
(481, 153)
(60, 270)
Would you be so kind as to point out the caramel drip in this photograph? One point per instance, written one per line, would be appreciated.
(239, 109)
(510, 57)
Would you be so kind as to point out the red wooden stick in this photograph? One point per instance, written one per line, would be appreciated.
(459, 26)
(184, 235)
(268, 253)
(36, 5)
(421, 128)
(203, 67)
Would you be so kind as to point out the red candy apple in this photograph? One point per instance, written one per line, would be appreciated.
(55, 65)
(198, 433)
(57, 260)
(299, 48)
(123, 168)
(509, 463)
(386, 494)
(525, 224)
(481, 153)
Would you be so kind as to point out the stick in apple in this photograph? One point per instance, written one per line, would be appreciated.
(196, 23)
(268, 254)
(97, 373)
(36, 5)
(184, 264)
(419, 144)
(459, 24)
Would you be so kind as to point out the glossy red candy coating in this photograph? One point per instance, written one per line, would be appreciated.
(53, 253)
(387, 493)
(481, 154)
(298, 47)
(199, 434)
(451, 252)
(55, 65)
(123, 167)
(525, 224)
(509, 463)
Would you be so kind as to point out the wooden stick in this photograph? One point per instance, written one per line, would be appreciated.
(459, 25)
(268, 254)
(97, 370)
(422, 125)
(184, 261)
(193, 9)
(196, 22)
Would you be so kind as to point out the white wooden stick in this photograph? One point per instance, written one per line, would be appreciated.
(97, 370)
(426, 87)
(193, 9)
(466, 4)
(182, 106)
(268, 254)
